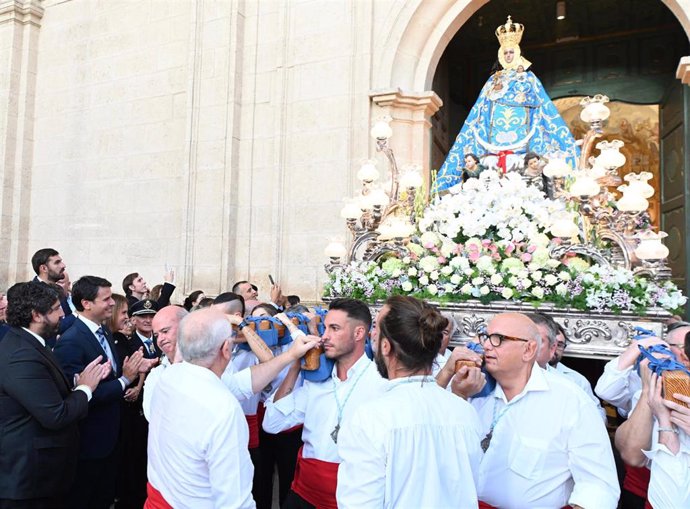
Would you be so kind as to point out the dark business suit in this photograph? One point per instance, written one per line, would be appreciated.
(39, 414)
(134, 432)
(99, 432)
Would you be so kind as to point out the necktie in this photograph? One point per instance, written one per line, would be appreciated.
(100, 335)
(149, 346)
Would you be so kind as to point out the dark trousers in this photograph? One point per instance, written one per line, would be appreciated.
(131, 474)
(630, 500)
(94, 485)
(294, 501)
(276, 451)
(35, 503)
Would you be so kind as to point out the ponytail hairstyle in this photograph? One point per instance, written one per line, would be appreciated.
(414, 330)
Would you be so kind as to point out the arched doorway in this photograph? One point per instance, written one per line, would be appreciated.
(632, 55)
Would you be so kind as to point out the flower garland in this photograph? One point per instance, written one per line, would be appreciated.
(488, 240)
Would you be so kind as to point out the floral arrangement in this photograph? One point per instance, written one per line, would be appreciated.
(489, 240)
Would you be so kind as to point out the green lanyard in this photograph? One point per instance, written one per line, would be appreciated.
(334, 433)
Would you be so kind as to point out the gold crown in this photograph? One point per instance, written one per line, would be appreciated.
(510, 34)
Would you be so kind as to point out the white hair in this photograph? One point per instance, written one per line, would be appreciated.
(201, 336)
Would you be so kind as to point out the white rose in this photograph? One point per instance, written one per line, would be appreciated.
(564, 276)
(562, 289)
(448, 288)
(536, 276)
(468, 272)
(447, 270)
(428, 263)
(423, 280)
(455, 279)
(406, 286)
(412, 271)
(513, 281)
(466, 289)
(486, 264)
(396, 273)
(526, 283)
(432, 289)
(447, 250)
(550, 279)
(428, 238)
(434, 275)
(484, 290)
(538, 292)
(478, 281)
(496, 279)
(507, 293)
(523, 274)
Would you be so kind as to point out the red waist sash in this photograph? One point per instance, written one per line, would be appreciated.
(253, 423)
(154, 499)
(637, 482)
(315, 481)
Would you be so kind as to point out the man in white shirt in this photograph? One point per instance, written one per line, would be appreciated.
(417, 445)
(620, 380)
(198, 436)
(669, 485)
(326, 407)
(544, 440)
(550, 332)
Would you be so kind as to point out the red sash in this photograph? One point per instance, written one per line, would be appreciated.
(315, 481)
(503, 160)
(637, 482)
(154, 499)
(253, 423)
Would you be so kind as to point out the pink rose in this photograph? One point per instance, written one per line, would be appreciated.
(526, 257)
(474, 255)
(441, 260)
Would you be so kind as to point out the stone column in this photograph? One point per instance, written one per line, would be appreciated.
(683, 71)
(411, 122)
(20, 21)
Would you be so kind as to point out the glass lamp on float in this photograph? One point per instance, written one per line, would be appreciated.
(652, 255)
(336, 252)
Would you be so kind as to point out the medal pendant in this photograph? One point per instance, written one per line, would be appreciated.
(486, 441)
(334, 433)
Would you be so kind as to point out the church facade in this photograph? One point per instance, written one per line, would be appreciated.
(215, 137)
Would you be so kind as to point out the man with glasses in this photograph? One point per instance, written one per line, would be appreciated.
(544, 442)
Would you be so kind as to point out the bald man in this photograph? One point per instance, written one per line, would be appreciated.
(545, 444)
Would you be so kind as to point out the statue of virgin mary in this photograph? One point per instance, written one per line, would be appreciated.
(512, 116)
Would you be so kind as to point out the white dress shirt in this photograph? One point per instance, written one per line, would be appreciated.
(669, 483)
(315, 406)
(239, 383)
(549, 448)
(579, 380)
(439, 362)
(617, 386)
(416, 446)
(243, 360)
(197, 448)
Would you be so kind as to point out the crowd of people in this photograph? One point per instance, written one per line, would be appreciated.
(129, 399)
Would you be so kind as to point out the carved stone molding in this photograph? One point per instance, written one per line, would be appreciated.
(683, 71)
(590, 335)
(27, 12)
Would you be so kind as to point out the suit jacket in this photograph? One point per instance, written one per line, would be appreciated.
(163, 300)
(39, 416)
(76, 348)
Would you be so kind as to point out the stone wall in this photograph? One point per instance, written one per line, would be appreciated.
(218, 137)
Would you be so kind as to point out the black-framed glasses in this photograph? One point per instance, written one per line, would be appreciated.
(496, 339)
